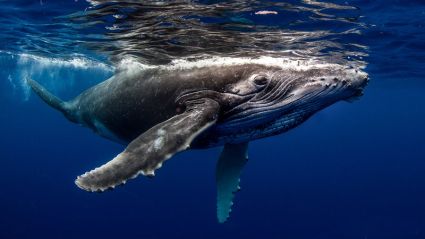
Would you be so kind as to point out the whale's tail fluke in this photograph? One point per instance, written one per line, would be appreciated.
(51, 99)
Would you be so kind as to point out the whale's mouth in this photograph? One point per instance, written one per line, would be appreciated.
(358, 93)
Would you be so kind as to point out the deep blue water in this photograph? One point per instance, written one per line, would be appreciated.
(354, 170)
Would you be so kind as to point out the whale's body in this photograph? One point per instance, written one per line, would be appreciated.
(128, 104)
(161, 111)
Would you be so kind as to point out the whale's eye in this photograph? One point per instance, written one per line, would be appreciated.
(261, 80)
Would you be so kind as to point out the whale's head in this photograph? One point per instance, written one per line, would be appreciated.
(310, 89)
(282, 99)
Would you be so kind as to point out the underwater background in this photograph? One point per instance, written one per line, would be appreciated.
(354, 170)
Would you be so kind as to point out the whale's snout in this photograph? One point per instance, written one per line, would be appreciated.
(359, 79)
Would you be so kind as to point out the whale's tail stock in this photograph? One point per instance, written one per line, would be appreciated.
(52, 100)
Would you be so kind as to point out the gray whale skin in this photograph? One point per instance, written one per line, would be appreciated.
(161, 111)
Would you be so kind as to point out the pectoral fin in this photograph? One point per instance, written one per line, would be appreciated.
(147, 152)
(229, 168)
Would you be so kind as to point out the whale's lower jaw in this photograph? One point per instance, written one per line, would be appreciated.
(264, 127)
(216, 137)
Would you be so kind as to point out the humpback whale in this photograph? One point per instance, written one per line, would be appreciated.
(160, 111)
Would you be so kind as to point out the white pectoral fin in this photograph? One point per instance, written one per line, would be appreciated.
(147, 152)
(229, 168)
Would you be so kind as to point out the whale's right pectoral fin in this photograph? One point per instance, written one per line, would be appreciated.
(147, 152)
(229, 168)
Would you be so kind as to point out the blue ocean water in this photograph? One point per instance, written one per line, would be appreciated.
(354, 170)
